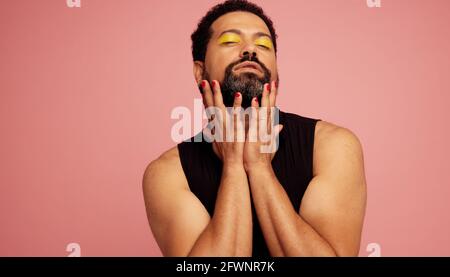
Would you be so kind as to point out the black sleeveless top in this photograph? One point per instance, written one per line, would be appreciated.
(292, 165)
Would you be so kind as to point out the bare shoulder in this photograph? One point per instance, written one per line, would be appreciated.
(167, 158)
(335, 141)
(163, 176)
(329, 132)
(167, 167)
(176, 216)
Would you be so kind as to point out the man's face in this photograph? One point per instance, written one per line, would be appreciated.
(241, 56)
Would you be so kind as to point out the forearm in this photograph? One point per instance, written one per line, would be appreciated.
(229, 233)
(286, 233)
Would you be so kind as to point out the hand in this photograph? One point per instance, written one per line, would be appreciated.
(229, 150)
(260, 145)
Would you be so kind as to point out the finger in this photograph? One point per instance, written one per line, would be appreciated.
(207, 95)
(265, 96)
(221, 111)
(239, 130)
(272, 100)
(208, 99)
(275, 140)
(273, 93)
(217, 94)
(208, 133)
(253, 122)
(237, 100)
(236, 115)
(265, 106)
(277, 129)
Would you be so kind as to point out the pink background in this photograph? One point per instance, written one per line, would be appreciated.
(86, 95)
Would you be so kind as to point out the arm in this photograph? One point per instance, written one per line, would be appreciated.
(330, 219)
(180, 223)
(229, 233)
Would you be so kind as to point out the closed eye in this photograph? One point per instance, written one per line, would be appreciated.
(229, 38)
(263, 46)
(264, 42)
(229, 42)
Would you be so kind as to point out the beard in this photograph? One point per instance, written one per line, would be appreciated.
(247, 83)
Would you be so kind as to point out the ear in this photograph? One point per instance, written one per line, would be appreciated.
(198, 71)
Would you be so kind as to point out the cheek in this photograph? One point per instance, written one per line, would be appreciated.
(216, 66)
(272, 66)
(274, 73)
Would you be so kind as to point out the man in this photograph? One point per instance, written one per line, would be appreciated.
(231, 199)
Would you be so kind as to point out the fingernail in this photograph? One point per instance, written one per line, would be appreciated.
(267, 87)
(237, 94)
(213, 84)
(256, 99)
(203, 84)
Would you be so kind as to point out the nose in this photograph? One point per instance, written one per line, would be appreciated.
(251, 55)
(249, 51)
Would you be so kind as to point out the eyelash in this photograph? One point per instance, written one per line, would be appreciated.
(228, 43)
(232, 42)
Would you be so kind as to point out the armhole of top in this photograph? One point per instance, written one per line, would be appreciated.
(182, 156)
(313, 140)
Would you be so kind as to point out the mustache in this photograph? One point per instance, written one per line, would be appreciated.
(249, 58)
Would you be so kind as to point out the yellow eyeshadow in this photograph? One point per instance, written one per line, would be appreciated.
(264, 41)
(230, 37)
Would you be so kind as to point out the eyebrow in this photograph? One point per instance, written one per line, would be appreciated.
(236, 31)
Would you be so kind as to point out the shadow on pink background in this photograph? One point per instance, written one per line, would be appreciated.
(86, 95)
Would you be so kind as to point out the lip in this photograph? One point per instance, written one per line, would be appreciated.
(249, 65)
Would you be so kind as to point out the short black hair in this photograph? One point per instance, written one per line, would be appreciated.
(200, 37)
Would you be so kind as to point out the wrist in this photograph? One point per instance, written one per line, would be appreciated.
(258, 168)
(233, 166)
(234, 172)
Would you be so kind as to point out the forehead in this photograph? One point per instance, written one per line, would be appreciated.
(247, 23)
